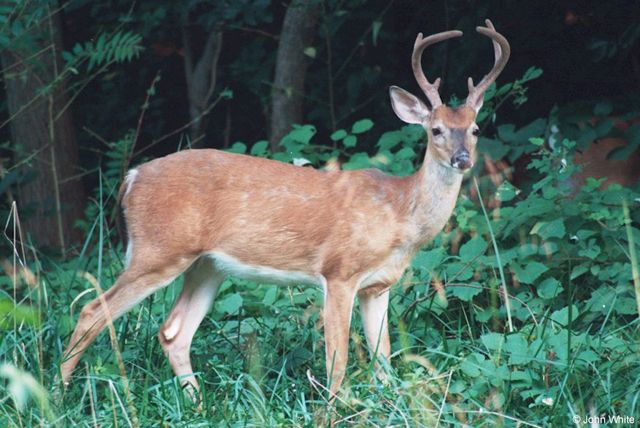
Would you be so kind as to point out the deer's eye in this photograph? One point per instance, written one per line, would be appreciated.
(476, 131)
(436, 131)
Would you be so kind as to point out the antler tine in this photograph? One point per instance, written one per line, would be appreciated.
(501, 50)
(429, 89)
(497, 52)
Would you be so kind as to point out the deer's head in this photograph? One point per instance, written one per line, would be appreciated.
(452, 132)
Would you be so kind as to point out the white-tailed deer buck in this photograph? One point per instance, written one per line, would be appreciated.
(210, 214)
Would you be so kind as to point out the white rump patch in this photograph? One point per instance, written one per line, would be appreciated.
(131, 176)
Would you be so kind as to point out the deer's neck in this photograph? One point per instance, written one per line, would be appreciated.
(435, 193)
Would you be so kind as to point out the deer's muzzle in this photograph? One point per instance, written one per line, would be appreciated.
(461, 160)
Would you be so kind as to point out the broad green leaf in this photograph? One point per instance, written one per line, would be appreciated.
(588, 356)
(591, 249)
(493, 341)
(579, 270)
(461, 271)
(270, 296)
(521, 378)
(465, 292)
(506, 192)
(357, 161)
(260, 148)
(405, 153)
(584, 233)
(626, 306)
(471, 365)
(473, 248)
(527, 250)
(530, 74)
(552, 229)
(429, 260)
(615, 343)
(549, 288)
(338, 135)
(504, 89)
(238, 147)
(457, 387)
(301, 133)
(562, 316)
(389, 140)
(362, 126)
(297, 357)
(558, 342)
(602, 299)
(530, 272)
(518, 349)
(350, 141)
(230, 303)
(484, 315)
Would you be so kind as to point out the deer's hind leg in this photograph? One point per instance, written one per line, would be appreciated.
(374, 302)
(201, 284)
(140, 279)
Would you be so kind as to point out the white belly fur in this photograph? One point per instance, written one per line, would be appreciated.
(263, 274)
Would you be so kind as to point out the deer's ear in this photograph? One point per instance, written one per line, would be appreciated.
(407, 106)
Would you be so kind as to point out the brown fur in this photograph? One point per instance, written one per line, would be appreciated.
(354, 232)
(595, 164)
(337, 224)
(247, 215)
(460, 117)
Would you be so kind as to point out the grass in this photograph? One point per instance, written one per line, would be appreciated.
(565, 347)
(264, 367)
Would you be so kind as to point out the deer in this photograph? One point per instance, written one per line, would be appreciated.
(595, 163)
(211, 214)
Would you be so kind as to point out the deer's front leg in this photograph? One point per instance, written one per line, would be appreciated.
(337, 321)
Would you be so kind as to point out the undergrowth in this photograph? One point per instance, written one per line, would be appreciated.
(522, 312)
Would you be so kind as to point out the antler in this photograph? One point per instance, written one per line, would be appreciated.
(429, 89)
(501, 51)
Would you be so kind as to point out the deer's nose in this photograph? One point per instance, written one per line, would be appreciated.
(461, 160)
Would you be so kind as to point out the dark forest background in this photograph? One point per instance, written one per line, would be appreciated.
(82, 76)
(523, 311)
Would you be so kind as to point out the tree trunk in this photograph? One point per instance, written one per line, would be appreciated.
(53, 198)
(298, 31)
(201, 82)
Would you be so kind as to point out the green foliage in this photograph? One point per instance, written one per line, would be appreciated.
(117, 47)
(568, 276)
(116, 156)
(29, 47)
(16, 20)
(572, 291)
(11, 313)
(566, 258)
